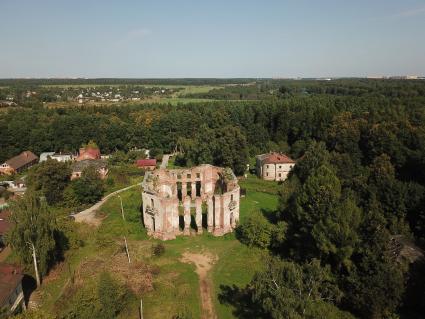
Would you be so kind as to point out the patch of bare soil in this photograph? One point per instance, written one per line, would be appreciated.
(203, 263)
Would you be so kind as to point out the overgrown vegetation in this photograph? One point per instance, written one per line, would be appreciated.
(353, 203)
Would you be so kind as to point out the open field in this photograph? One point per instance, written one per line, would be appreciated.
(174, 283)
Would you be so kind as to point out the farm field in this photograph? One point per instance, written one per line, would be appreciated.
(169, 278)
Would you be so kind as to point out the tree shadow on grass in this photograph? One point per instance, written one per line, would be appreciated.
(270, 215)
(240, 299)
(29, 285)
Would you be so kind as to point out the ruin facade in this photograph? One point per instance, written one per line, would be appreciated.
(184, 201)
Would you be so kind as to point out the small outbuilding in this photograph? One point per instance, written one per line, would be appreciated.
(147, 164)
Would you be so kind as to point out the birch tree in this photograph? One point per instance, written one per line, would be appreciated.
(32, 236)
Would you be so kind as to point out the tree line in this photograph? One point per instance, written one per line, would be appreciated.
(347, 212)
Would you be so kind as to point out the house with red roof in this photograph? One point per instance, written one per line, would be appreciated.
(11, 294)
(273, 166)
(147, 164)
(88, 153)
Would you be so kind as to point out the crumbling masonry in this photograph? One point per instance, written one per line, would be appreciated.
(184, 201)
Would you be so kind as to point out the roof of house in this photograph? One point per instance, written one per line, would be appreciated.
(22, 159)
(146, 162)
(275, 158)
(81, 165)
(10, 277)
(89, 152)
(4, 221)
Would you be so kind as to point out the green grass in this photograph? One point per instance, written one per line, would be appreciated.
(175, 284)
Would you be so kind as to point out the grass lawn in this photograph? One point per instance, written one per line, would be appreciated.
(175, 284)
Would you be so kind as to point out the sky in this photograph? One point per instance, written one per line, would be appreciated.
(216, 38)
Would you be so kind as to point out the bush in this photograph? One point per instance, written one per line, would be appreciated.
(255, 231)
(158, 249)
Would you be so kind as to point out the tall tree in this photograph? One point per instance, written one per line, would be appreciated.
(50, 178)
(32, 235)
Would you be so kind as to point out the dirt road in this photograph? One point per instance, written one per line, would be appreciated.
(89, 215)
(203, 263)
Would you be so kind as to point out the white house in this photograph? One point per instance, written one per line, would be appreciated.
(273, 166)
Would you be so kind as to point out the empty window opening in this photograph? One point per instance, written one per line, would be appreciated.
(181, 222)
(179, 191)
(152, 203)
(189, 189)
(193, 222)
(198, 189)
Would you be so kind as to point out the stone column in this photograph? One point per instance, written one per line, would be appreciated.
(175, 209)
(217, 211)
(184, 190)
(186, 230)
(210, 216)
(193, 184)
(198, 217)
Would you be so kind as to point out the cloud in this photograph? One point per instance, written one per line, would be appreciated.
(409, 13)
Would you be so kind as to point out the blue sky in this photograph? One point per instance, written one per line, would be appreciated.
(198, 38)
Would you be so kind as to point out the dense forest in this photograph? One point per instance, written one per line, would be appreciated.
(350, 212)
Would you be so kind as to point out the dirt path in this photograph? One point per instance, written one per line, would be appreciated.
(89, 215)
(165, 159)
(203, 263)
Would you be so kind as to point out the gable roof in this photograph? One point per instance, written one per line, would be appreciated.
(275, 158)
(22, 159)
(146, 162)
(81, 165)
(10, 277)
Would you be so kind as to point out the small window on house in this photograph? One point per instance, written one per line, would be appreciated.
(267, 174)
(280, 175)
(267, 166)
(152, 202)
(198, 175)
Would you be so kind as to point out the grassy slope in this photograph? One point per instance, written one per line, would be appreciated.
(175, 283)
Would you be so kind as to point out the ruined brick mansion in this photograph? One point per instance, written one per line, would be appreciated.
(184, 201)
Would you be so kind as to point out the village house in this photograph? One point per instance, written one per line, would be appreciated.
(79, 166)
(147, 164)
(88, 153)
(19, 163)
(273, 166)
(60, 157)
(11, 293)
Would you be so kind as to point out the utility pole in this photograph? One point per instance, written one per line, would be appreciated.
(125, 225)
(141, 308)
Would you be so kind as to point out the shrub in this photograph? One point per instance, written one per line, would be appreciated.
(158, 249)
(255, 231)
